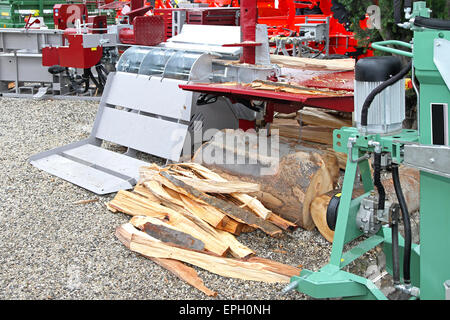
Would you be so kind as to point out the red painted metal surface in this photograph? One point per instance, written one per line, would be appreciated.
(330, 80)
(73, 55)
(213, 16)
(147, 31)
(283, 18)
(98, 22)
(246, 124)
(65, 15)
(290, 102)
(249, 15)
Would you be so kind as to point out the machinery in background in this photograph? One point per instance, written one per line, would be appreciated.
(73, 59)
(144, 107)
(306, 28)
(18, 13)
(167, 124)
(379, 110)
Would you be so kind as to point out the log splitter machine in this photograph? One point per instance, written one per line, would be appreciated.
(379, 112)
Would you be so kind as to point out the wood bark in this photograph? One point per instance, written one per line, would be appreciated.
(236, 248)
(178, 268)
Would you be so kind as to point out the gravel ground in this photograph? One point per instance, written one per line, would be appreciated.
(51, 248)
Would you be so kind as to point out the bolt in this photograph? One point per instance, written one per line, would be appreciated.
(432, 160)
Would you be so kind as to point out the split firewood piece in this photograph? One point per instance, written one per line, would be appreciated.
(160, 193)
(282, 223)
(214, 186)
(227, 267)
(133, 204)
(136, 205)
(213, 216)
(178, 268)
(252, 203)
(409, 180)
(275, 266)
(200, 209)
(230, 209)
(236, 248)
(152, 173)
(273, 218)
(143, 191)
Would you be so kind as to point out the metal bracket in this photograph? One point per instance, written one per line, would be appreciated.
(429, 158)
(440, 59)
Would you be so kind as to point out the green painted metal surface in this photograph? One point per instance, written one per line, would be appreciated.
(434, 189)
(430, 261)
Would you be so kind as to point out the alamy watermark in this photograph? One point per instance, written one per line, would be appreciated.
(374, 17)
(229, 147)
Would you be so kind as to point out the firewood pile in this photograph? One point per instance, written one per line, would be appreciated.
(187, 214)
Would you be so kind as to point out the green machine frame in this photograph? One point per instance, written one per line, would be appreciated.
(430, 261)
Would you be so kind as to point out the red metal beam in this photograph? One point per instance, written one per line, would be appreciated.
(249, 16)
(283, 101)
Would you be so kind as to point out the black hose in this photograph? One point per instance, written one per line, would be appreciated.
(407, 224)
(377, 90)
(377, 180)
(397, 11)
(432, 23)
(395, 255)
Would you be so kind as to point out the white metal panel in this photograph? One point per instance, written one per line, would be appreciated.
(110, 160)
(147, 134)
(153, 95)
(206, 38)
(89, 178)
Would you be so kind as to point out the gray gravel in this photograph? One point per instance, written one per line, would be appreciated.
(51, 248)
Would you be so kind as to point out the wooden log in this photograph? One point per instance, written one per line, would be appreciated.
(227, 267)
(178, 268)
(230, 209)
(298, 175)
(409, 180)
